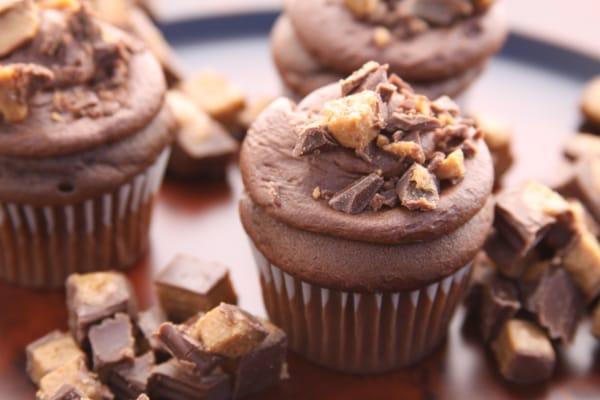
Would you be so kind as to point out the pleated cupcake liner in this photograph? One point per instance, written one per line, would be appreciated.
(362, 333)
(41, 246)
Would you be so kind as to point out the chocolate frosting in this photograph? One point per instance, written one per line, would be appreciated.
(343, 43)
(358, 266)
(91, 154)
(303, 73)
(282, 184)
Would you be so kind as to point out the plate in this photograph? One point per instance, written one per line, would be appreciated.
(534, 85)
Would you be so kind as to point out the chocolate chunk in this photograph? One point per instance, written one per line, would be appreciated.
(216, 95)
(202, 148)
(189, 285)
(412, 122)
(50, 352)
(112, 344)
(355, 198)
(18, 83)
(374, 79)
(186, 348)
(387, 198)
(584, 184)
(497, 302)
(558, 304)
(590, 101)
(148, 323)
(524, 215)
(228, 331)
(262, 366)
(174, 381)
(386, 90)
(418, 189)
(20, 23)
(68, 392)
(75, 375)
(313, 137)
(130, 381)
(95, 296)
(524, 353)
(352, 83)
(441, 12)
(582, 145)
(510, 262)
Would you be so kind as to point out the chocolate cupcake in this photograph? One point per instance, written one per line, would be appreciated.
(84, 140)
(365, 204)
(439, 46)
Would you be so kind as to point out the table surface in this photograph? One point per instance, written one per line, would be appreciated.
(201, 219)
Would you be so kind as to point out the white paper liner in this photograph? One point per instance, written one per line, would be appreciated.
(41, 246)
(360, 332)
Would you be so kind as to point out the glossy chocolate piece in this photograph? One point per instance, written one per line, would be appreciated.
(261, 367)
(524, 215)
(130, 381)
(147, 324)
(356, 198)
(112, 344)
(524, 353)
(186, 348)
(497, 302)
(175, 381)
(50, 352)
(203, 147)
(189, 285)
(96, 296)
(558, 304)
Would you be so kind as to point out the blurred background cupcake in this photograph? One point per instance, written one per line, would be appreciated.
(365, 204)
(440, 47)
(84, 140)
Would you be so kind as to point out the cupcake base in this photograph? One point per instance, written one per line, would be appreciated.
(362, 333)
(41, 246)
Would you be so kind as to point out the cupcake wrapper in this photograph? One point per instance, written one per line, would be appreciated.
(360, 332)
(41, 246)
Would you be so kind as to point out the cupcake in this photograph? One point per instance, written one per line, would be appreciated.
(439, 46)
(84, 140)
(365, 205)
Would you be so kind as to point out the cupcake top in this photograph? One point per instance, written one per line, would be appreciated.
(74, 92)
(368, 159)
(420, 39)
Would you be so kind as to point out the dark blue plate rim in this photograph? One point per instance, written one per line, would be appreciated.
(521, 47)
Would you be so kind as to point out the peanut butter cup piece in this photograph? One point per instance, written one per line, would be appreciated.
(18, 83)
(112, 344)
(229, 331)
(19, 20)
(524, 353)
(189, 285)
(418, 189)
(76, 375)
(49, 353)
(96, 296)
